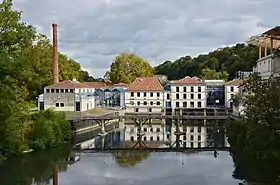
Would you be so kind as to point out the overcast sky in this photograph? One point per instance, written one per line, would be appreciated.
(93, 32)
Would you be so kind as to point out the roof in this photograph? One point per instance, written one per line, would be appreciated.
(236, 82)
(264, 39)
(145, 84)
(121, 85)
(188, 80)
(77, 85)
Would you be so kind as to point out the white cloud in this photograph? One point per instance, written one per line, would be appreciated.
(93, 32)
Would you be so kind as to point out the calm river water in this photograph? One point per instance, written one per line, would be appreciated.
(65, 166)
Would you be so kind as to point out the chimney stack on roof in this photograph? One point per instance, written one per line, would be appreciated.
(55, 55)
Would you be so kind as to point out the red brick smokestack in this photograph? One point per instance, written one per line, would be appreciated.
(55, 55)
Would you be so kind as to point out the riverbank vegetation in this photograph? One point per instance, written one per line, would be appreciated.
(25, 68)
(255, 139)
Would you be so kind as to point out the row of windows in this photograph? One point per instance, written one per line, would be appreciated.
(185, 89)
(59, 90)
(59, 104)
(146, 129)
(185, 96)
(138, 94)
(185, 104)
(158, 103)
(145, 138)
(158, 138)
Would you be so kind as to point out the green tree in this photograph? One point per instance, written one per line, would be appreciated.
(127, 67)
(209, 74)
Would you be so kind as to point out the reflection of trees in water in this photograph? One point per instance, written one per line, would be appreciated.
(256, 153)
(35, 167)
(130, 158)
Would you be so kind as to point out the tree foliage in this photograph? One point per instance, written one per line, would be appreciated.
(127, 67)
(25, 67)
(215, 64)
(255, 139)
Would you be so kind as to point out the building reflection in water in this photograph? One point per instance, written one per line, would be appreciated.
(195, 134)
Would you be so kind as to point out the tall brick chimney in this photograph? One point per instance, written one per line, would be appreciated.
(55, 55)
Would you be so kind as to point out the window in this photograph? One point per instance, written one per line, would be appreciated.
(136, 110)
(184, 137)
(71, 90)
(158, 129)
(185, 89)
(57, 90)
(151, 138)
(158, 103)
(56, 104)
(177, 89)
(61, 104)
(177, 104)
(231, 105)
(199, 96)
(145, 103)
(192, 89)
(192, 138)
(62, 90)
(192, 104)
(191, 144)
(145, 129)
(158, 138)
(158, 94)
(131, 102)
(145, 94)
(231, 89)
(151, 94)
(47, 90)
(145, 138)
(199, 129)
(168, 96)
(185, 96)
(199, 137)
(138, 103)
(199, 104)
(192, 96)
(191, 129)
(177, 96)
(231, 96)
(151, 103)
(152, 130)
(184, 104)
(132, 138)
(138, 94)
(132, 94)
(150, 109)
(199, 89)
(66, 90)
(199, 144)
(52, 90)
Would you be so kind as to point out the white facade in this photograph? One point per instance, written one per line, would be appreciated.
(155, 132)
(230, 91)
(267, 66)
(188, 96)
(144, 101)
(195, 136)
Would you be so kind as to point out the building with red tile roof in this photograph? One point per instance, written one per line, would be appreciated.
(144, 95)
(188, 92)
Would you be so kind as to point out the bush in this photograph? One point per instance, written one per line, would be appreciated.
(49, 128)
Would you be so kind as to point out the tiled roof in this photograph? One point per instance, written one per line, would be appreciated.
(236, 82)
(188, 80)
(75, 84)
(145, 84)
(120, 85)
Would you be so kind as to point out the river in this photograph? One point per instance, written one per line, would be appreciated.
(68, 165)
